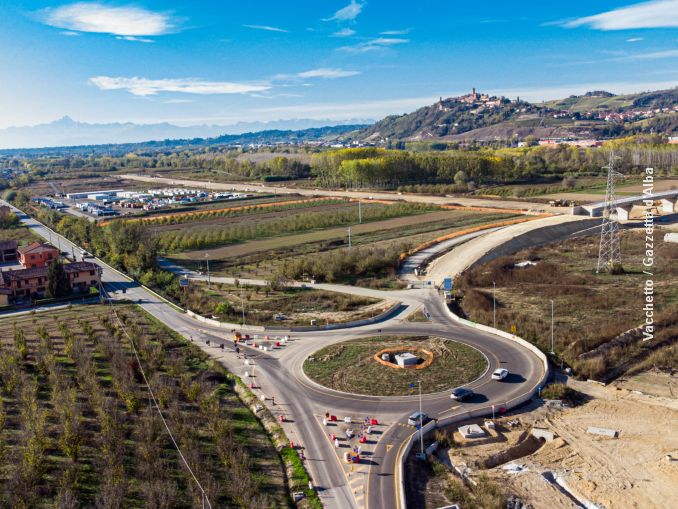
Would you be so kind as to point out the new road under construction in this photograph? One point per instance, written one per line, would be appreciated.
(355, 436)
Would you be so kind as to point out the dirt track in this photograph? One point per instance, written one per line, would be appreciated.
(365, 195)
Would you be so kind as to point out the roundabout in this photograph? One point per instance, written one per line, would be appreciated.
(389, 365)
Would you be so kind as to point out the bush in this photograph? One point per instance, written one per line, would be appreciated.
(562, 392)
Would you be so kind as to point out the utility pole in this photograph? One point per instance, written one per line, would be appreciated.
(207, 259)
(360, 212)
(421, 421)
(242, 306)
(552, 352)
(494, 305)
(349, 237)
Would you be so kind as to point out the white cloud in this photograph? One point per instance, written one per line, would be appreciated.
(69, 33)
(634, 39)
(327, 73)
(266, 27)
(395, 32)
(344, 32)
(654, 55)
(348, 13)
(378, 44)
(133, 38)
(652, 14)
(99, 18)
(145, 87)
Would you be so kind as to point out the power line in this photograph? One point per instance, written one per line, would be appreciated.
(152, 395)
(609, 254)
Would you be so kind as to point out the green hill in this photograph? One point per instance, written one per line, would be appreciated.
(481, 117)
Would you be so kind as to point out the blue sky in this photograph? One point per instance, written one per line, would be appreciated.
(221, 62)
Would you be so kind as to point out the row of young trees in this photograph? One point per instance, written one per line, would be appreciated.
(75, 393)
(238, 211)
(183, 240)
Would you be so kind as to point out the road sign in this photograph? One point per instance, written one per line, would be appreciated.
(412, 385)
(447, 284)
(183, 281)
(513, 329)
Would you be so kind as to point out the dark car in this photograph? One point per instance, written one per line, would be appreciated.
(417, 418)
(461, 393)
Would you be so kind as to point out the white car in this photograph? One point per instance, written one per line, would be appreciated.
(500, 374)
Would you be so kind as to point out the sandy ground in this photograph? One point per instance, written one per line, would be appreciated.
(631, 471)
(465, 255)
(639, 469)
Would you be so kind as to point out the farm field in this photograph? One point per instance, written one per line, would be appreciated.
(298, 306)
(263, 258)
(586, 304)
(306, 216)
(77, 428)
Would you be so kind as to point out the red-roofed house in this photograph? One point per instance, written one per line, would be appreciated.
(37, 254)
(26, 283)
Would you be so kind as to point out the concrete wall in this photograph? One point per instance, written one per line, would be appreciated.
(543, 236)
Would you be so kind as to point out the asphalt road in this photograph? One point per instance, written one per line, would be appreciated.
(280, 374)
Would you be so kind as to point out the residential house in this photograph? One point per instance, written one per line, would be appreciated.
(37, 254)
(26, 283)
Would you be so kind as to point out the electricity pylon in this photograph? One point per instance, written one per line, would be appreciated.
(609, 254)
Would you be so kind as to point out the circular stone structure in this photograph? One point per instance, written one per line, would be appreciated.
(355, 366)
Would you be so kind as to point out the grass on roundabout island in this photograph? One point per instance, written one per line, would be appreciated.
(350, 366)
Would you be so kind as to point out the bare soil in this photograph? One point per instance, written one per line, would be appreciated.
(639, 469)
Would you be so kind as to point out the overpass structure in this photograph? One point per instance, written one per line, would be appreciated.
(624, 206)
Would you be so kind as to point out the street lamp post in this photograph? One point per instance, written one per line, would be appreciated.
(207, 259)
(494, 305)
(242, 306)
(421, 421)
(552, 351)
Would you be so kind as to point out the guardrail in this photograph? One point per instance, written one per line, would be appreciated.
(478, 412)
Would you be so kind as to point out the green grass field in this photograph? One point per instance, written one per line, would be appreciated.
(350, 366)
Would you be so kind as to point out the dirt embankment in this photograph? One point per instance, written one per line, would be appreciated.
(639, 469)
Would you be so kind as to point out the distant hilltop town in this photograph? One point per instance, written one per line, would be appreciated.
(474, 99)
